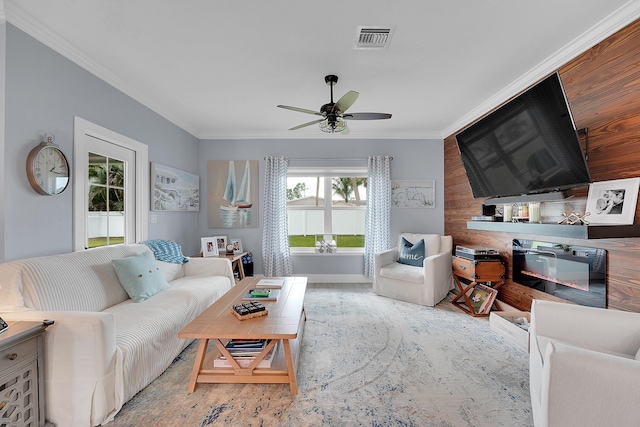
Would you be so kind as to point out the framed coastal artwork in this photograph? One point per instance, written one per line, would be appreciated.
(413, 194)
(232, 194)
(174, 189)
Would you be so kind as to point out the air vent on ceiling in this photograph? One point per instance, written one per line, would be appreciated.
(369, 37)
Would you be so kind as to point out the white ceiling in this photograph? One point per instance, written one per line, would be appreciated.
(219, 68)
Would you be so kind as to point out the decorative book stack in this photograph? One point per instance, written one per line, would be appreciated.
(270, 283)
(261, 294)
(245, 352)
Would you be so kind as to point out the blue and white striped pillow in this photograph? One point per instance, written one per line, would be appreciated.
(167, 251)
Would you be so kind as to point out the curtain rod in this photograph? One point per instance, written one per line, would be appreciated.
(333, 159)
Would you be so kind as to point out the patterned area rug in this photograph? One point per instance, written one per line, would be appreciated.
(366, 360)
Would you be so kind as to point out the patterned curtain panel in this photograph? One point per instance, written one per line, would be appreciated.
(377, 235)
(276, 256)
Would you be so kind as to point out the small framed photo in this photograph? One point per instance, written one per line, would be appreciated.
(237, 245)
(613, 202)
(209, 246)
(221, 241)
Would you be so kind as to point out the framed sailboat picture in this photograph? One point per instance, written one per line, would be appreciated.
(233, 194)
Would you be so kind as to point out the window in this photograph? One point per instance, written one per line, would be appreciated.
(106, 201)
(111, 187)
(328, 203)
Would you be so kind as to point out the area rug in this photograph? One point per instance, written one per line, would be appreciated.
(366, 360)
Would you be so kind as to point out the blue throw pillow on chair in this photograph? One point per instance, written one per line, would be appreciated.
(411, 254)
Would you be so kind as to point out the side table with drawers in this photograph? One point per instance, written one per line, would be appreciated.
(21, 374)
(468, 272)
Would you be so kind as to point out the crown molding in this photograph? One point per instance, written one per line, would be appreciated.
(19, 18)
(616, 21)
(11, 12)
(317, 134)
(25, 22)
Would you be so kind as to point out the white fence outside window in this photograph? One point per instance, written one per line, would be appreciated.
(306, 222)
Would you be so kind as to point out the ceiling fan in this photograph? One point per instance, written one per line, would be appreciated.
(334, 114)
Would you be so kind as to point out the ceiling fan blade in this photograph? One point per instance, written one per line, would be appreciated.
(346, 101)
(300, 110)
(366, 116)
(304, 125)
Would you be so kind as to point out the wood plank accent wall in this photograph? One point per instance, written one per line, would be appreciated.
(603, 89)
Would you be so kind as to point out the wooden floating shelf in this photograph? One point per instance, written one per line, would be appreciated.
(559, 230)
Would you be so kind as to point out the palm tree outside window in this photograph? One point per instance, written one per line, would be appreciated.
(106, 201)
(321, 203)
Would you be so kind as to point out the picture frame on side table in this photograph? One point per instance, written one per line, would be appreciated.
(237, 245)
(209, 246)
(612, 202)
(222, 242)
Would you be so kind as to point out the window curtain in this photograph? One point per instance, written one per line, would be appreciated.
(276, 255)
(377, 235)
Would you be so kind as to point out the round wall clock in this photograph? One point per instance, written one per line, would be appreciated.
(47, 168)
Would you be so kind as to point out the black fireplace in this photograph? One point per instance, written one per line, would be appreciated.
(573, 273)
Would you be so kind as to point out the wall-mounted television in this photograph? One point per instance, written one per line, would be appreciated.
(527, 146)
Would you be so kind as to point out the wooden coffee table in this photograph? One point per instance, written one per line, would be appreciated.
(285, 323)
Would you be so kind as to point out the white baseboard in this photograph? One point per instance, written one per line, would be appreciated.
(334, 278)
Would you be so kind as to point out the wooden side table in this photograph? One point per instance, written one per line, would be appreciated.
(21, 374)
(236, 262)
(467, 273)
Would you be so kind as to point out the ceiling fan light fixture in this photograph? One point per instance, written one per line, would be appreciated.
(333, 126)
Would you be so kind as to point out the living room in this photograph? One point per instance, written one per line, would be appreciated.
(44, 91)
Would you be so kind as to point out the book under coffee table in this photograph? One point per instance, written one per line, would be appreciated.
(284, 322)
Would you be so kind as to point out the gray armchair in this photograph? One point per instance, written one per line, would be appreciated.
(427, 284)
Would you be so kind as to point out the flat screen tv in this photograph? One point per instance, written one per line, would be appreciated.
(527, 146)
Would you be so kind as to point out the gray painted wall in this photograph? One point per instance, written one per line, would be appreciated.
(412, 160)
(44, 91)
(3, 45)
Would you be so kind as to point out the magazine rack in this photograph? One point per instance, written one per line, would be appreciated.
(468, 273)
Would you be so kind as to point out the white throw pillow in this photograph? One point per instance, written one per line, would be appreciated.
(170, 270)
(11, 291)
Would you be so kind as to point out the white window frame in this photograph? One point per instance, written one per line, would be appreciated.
(328, 173)
(83, 128)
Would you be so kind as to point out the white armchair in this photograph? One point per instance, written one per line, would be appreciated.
(584, 366)
(428, 284)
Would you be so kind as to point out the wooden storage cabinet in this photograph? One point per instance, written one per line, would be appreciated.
(468, 272)
(21, 364)
(484, 270)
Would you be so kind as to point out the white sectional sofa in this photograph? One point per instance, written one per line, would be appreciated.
(103, 347)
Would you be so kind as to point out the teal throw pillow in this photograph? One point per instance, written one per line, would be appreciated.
(411, 254)
(140, 276)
